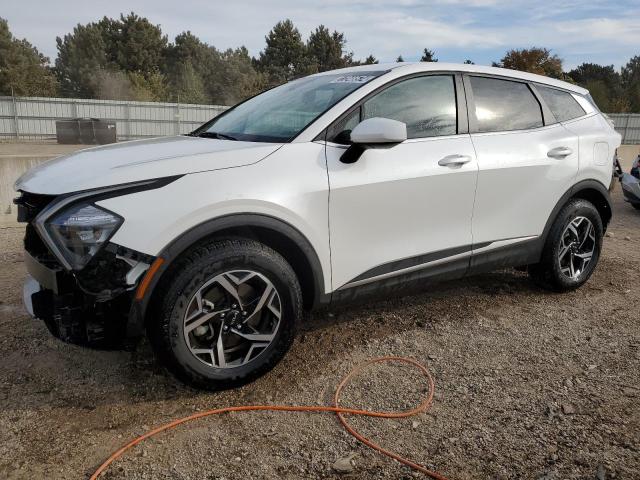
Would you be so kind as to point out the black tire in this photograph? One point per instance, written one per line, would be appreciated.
(165, 330)
(547, 273)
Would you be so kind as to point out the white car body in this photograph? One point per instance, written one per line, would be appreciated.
(388, 216)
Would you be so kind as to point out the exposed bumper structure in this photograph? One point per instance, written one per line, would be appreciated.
(76, 314)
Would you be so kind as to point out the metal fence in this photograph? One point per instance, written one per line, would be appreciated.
(34, 118)
(627, 125)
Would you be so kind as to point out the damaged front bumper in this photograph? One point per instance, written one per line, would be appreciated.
(93, 307)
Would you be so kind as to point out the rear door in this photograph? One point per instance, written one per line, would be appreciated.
(526, 161)
(403, 209)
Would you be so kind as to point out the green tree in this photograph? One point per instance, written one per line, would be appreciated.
(23, 69)
(82, 59)
(631, 83)
(428, 56)
(327, 50)
(235, 78)
(284, 56)
(468, 62)
(90, 58)
(134, 44)
(188, 86)
(604, 83)
(370, 60)
(399, 59)
(533, 60)
(189, 67)
(225, 77)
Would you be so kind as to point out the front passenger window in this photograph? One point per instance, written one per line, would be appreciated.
(427, 105)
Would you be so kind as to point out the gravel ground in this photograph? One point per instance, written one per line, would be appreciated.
(529, 384)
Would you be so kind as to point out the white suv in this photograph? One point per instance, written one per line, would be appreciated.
(328, 188)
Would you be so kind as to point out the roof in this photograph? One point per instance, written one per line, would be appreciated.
(416, 67)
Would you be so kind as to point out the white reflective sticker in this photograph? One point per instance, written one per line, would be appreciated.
(353, 79)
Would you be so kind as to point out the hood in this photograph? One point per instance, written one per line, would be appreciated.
(139, 160)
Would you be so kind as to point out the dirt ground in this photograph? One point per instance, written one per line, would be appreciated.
(529, 384)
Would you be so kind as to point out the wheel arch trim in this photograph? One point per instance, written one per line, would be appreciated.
(575, 191)
(217, 225)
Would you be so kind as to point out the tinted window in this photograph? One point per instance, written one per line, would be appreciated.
(426, 104)
(504, 105)
(562, 104)
(339, 132)
(279, 114)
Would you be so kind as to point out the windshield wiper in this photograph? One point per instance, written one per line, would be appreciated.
(218, 135)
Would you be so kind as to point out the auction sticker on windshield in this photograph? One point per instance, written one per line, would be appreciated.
(353, 79)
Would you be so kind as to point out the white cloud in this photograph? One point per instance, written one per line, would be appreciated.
(478, 29)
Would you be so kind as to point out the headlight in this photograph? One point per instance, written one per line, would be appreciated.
(80, 231)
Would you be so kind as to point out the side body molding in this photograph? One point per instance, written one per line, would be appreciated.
(269, 230)
(530, 251)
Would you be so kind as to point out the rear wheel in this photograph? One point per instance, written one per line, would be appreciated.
(228, 315)
(572, 249)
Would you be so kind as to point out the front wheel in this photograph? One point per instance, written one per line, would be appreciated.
(227, 315)
(572, 249)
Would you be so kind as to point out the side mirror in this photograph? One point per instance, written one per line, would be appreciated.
(374, 133)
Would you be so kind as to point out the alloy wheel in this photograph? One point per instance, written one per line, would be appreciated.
(232, 318)
(577, 247)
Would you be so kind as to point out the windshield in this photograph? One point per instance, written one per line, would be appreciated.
(279, 114)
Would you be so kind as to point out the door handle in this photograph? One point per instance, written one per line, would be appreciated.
(454, 160)
(559, 152)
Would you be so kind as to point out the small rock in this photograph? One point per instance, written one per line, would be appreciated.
(630, 391)
(415, 424)
(627, 237)
(568, 409)
(601, 473)
(238, 459)
(592, 367)
(345, 464)
(610, 234)
(568, 383)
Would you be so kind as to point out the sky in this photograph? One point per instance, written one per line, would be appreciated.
(604, 31)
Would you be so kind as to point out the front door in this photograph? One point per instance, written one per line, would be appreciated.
(405, 208)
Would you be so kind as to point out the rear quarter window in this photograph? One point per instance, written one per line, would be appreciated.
(504, 105)
(562, 104)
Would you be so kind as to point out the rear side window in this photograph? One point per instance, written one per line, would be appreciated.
(504, 105)
(427, 105)
(562, 104)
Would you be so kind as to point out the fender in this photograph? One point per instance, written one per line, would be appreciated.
(249, 222)
(605, 208)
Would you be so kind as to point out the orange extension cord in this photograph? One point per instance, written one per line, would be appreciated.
(339, 411)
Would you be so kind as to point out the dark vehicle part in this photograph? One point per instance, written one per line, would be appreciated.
(90, 307)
